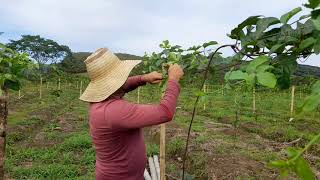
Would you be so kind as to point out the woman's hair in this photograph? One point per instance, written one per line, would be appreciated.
(119, 93)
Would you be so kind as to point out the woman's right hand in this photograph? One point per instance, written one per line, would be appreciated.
(175, 72)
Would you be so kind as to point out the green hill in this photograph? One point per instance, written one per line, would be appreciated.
(76, 64)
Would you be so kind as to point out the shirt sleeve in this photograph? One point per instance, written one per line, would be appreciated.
(125, 115)
(132, 83)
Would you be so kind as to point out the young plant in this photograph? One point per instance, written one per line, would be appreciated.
(12, 65)
(295, 162)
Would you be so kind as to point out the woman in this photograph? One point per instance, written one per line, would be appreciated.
(116, 124)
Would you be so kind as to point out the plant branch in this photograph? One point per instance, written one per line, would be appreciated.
(205, 76)
(314, 140)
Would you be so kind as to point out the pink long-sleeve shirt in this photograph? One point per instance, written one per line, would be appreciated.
(115, 128)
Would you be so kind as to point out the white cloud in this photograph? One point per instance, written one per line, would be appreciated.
(133, 26)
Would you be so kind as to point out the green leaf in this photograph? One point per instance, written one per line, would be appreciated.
(306, 43)
(210, 43)
(310, 103)
(278, 164)
(194, 48)
(238, 75)
(313, 4)
(267, 79)
(292, 152)
(316, 23)
(264, 67)
(14, 85)
(251, 80)
(286, 17)
(305, 16)
(303, 170)
(264, 23)
(249, 21)
(199, 93)
(173, 57)
(316, 88)
(316, 47)
(278, 48)
(252, 66)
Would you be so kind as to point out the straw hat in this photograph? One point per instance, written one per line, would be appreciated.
(107, 74)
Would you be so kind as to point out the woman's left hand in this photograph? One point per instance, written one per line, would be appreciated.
(153, 77)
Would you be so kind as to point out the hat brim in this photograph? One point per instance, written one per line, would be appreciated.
(101, 89)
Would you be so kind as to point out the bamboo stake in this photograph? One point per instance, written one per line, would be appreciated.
(40, 89)
(80, 88)
(222, 90)
(162, 152)
(19, 94)
(254, 101)
(292, 101)
(204, 90)
(59, 84)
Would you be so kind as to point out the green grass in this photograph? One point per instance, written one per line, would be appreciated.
(77, 142)
(70, 154)
(175, 146)
(152, 149)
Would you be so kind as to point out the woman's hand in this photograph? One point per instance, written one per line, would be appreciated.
(153, 77)
(175, 72)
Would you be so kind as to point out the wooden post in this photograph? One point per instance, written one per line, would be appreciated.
(59, 84)
(222, 90)
(138, 100)
(80, 88)
(19, 94)
(292, 101)
(204, 103)
(254, 101)
(40, 92)
(162, 151)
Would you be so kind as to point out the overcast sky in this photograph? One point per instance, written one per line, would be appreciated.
(133, 26)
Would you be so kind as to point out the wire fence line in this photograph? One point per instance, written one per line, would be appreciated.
(220, 101)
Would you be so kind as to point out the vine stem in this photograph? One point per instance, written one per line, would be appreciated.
(205, 76)
(314, 140)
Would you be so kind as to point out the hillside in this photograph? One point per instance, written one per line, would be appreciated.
(76, 64)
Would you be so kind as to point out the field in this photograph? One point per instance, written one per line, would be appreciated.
(48, 138)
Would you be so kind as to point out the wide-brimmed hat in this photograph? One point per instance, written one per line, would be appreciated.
(107, 74)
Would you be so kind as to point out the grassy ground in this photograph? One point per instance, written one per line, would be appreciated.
(48, 138)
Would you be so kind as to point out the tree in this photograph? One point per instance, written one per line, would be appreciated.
(12, 65)
(42, 50)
